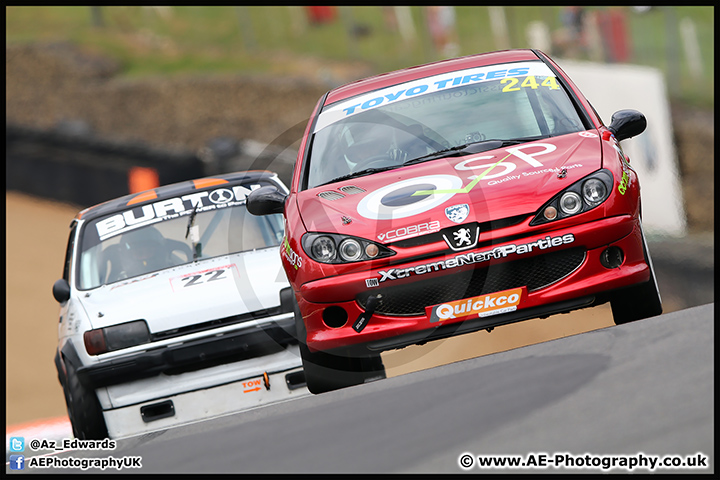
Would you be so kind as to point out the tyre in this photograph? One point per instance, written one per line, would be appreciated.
(640, 301)
(325, 372)
(84, 410)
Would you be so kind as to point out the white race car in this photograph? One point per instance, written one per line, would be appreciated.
(174, 308)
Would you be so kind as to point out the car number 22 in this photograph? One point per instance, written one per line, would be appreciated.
(202, 278)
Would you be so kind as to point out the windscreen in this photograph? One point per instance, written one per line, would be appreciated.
(394, 125)
(169, 233)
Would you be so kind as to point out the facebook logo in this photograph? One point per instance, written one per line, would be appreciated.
(17, 444)
(17, 462)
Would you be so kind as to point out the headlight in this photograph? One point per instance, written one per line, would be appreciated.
(323, 249)
(579, 197)
(570, 203)
(117, 337)
(350, 250)
(594, 191)
(334, 248)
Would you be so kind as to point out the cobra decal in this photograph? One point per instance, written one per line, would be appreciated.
(409, 231)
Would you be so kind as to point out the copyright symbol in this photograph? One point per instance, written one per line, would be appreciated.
(35, 444)
(466, 461)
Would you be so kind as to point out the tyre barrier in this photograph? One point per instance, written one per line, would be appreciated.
(83, 170)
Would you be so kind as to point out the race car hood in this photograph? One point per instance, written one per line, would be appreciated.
(481, 187)
(199, 292)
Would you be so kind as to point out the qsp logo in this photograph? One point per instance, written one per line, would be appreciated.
(400, 200)
(418, 195)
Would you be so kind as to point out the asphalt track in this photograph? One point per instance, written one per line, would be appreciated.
(643, 389)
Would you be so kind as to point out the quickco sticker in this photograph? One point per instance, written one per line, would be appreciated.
(480, 306)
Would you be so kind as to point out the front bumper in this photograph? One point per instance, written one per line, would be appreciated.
(581, 286)
(256, 341)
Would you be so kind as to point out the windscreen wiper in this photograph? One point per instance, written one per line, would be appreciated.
(473, 147)
(361, 173)
(194, 232)
(465, 149)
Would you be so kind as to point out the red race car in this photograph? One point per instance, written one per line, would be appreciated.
(453, 197)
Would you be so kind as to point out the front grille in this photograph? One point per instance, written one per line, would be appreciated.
(535, 273)
(217, 323)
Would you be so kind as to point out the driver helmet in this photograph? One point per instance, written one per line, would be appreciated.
(142, 244)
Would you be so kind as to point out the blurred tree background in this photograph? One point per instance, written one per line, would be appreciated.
(194, 78)
(166, 40)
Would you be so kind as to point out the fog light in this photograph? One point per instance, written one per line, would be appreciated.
(550, 213)
(126, 335)
(116, 337)
(612, 257)
(334, 317)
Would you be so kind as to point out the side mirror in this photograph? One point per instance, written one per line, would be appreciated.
(627, 123)
(61, 291)
(266, 200)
